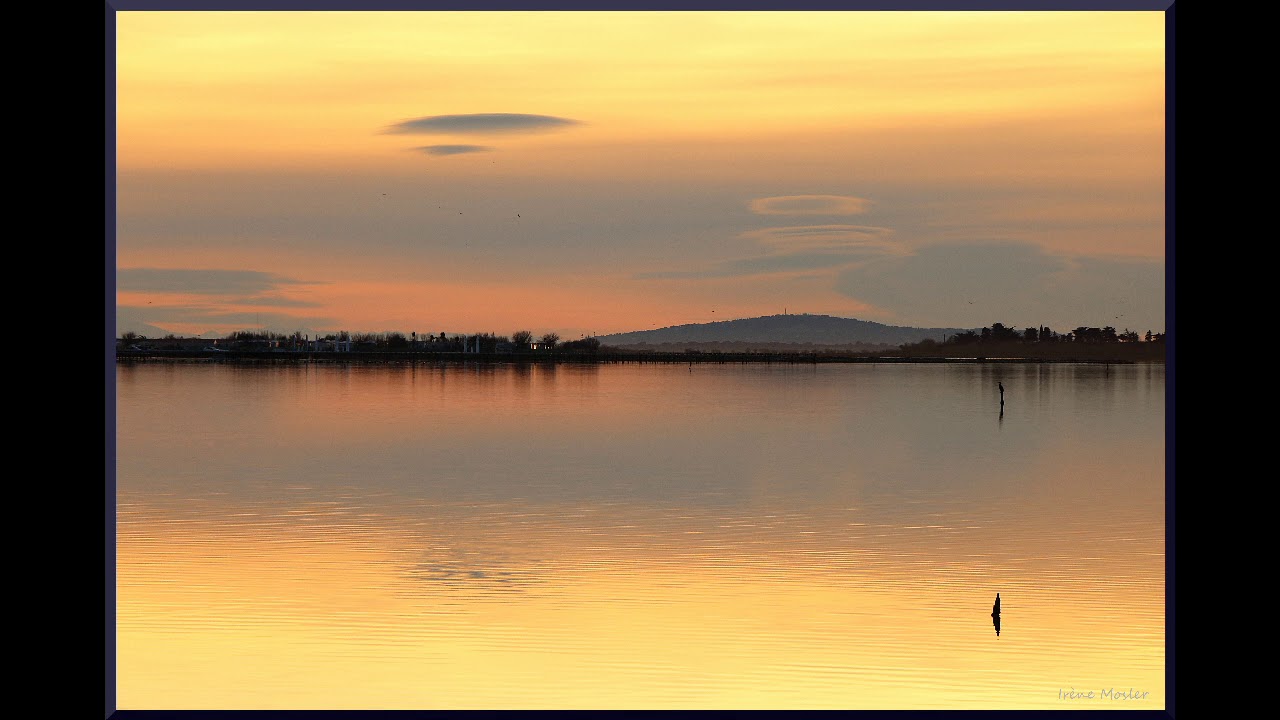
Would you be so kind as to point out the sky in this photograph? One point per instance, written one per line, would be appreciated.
(586, 173)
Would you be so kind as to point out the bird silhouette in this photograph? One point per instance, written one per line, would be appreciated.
(995, 614)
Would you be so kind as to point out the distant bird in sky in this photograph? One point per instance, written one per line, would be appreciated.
(995, 614)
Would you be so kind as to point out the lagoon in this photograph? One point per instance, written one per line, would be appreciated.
(639, 536)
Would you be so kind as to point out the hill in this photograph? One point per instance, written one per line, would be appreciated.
(814, 329)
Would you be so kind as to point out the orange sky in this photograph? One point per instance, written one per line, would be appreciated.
(591, 172)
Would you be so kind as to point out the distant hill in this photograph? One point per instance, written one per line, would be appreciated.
(814, 329)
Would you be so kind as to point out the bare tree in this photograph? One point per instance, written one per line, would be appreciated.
(550, 339)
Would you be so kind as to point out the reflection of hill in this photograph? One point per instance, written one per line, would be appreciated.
(816, 329)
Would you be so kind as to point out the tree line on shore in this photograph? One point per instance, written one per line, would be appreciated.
(519, 341)
(999, 333)
(1081, 344)
(525, 341)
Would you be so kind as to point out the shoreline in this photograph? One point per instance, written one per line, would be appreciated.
(596, 358)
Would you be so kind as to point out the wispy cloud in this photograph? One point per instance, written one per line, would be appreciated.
(814, 237)
(810, 205)
(798, 248)
(480, 124)
(452, 149)
(201, 282)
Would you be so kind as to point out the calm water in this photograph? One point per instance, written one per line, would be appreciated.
(629, 536)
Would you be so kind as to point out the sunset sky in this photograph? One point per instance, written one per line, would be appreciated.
(599, 172)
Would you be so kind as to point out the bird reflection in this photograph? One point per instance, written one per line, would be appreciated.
(995, 614)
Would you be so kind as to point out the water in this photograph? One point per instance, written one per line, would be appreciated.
(653, 536)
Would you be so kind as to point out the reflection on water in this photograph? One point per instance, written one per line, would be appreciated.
(639, 536)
